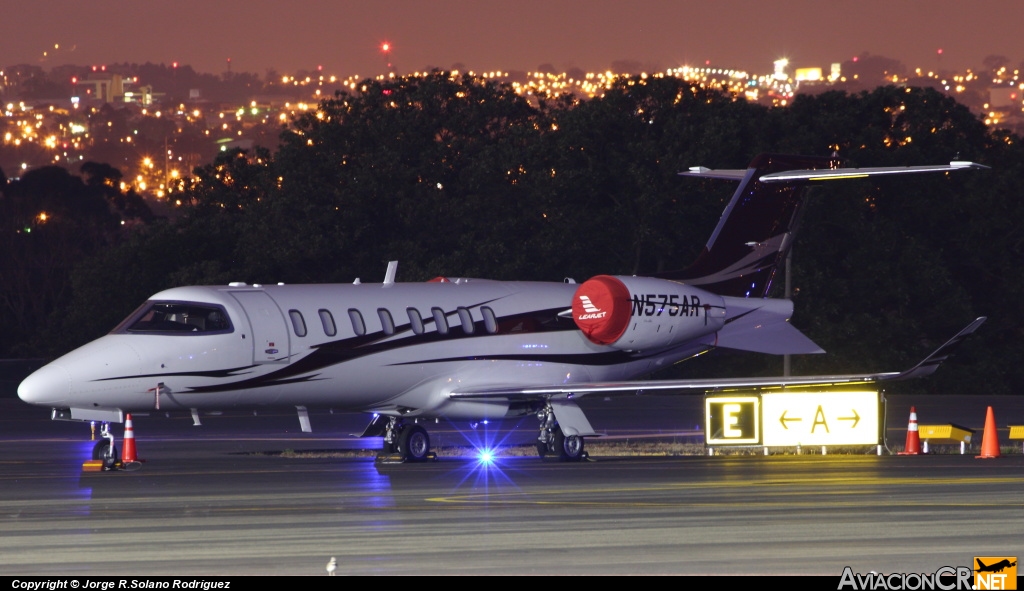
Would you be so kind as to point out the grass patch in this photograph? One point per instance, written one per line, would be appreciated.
(638, 448)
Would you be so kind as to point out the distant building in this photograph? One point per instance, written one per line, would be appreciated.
(114, 88)
(107, 88)
(1002, 97)
(808, 75)
(144, 96)
(780, 70)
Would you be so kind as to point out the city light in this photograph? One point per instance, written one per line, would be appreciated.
(67, 133)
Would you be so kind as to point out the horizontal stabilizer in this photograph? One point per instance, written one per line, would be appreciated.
(855, 173)
(775, 337)
(733, 174)
(757, 226)
(762, 326)
(819, 174)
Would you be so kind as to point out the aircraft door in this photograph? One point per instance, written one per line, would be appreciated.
(269, 330)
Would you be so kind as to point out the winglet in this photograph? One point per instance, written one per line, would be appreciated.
(930, 363)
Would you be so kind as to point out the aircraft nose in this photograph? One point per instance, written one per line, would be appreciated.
(50, 385)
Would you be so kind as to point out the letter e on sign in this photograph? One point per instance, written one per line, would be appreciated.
(732, 420)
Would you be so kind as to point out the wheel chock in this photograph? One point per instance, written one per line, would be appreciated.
(396, 458)
(92, 466)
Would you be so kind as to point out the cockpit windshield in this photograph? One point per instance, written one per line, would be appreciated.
(178, 318)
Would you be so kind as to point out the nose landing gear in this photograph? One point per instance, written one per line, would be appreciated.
(105, 454)
(105, 451)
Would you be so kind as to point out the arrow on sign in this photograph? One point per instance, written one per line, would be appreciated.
(783, 420)
(855, 418)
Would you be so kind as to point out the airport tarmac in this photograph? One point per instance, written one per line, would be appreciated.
(221, 500)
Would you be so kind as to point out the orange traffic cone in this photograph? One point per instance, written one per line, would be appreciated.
(913, 446)
(990, 439)
(129, 455)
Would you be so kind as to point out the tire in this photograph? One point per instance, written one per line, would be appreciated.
(570, 449)
(106, 452)
(542, 449)
(414, 444)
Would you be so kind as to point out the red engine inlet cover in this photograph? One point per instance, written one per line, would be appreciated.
(601, 308)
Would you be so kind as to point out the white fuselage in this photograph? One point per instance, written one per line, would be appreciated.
(398, 349)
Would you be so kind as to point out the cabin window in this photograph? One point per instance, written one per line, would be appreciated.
(490, 321)
(328, 321)
(415, 320)
(298, 323)
(358, 326)
(440, 321)
(466, 319)
(177, 317)
(386, 321)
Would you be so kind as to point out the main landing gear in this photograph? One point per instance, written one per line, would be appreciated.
(405, 442)
(552, 441)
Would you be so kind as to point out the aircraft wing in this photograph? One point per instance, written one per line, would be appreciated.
(926, 367)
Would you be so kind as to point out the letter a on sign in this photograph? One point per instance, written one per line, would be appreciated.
(819, 419)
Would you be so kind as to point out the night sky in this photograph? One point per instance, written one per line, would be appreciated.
(345, 36)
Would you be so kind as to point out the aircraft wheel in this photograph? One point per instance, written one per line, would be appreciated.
(104, 451)
(570, 449)
(414, 444)
(542, 449)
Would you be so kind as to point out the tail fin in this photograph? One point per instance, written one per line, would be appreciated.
(756, 229)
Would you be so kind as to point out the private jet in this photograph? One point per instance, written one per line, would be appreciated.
(463, 348)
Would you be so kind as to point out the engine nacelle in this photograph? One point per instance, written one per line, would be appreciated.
(636, 313)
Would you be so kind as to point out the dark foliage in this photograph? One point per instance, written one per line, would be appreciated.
(460, 176)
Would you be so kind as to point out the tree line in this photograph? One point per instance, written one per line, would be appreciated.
(460, 176)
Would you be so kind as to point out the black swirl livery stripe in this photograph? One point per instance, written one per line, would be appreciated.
(337, 352)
